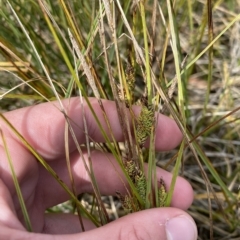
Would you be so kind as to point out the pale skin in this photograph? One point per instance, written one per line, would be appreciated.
(43, 127)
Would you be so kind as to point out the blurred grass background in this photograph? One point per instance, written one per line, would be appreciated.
(210, 82)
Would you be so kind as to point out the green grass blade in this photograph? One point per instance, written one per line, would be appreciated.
(17, 186)
(177, 58)
(210, 54)
(174, 175)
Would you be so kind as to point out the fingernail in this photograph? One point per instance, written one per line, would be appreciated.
(181, 228)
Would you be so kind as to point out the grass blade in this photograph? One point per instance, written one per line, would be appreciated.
(17, 186)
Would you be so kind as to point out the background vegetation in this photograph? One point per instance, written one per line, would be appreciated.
(190, 59)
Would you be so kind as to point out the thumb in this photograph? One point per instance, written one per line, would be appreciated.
(152, 224)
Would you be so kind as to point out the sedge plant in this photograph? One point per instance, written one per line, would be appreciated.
(155, 54)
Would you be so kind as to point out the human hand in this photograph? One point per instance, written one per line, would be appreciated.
(43, 127)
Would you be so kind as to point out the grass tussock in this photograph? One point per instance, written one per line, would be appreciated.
(181, 58)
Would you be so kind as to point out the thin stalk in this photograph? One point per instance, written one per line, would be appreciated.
(151, 173)
(147, 66)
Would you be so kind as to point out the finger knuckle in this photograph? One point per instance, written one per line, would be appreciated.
(133, 232)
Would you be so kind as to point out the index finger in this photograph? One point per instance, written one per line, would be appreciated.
(43, 126)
